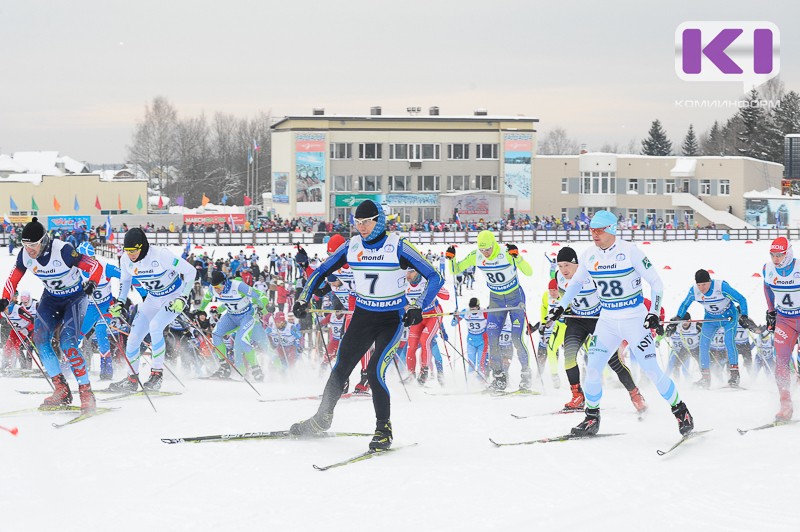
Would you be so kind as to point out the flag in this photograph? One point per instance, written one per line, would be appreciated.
(352, 219)
(458, 219)
(109, 230)
(97, 203)
(247, 200)
(205, 200)
(179, 201)
(139, 203)
(160, 202)
(34, 207)
(224, 199)
(249, 156)
(56, 204)
(584, 218)
(6, 220)
(233, 225)
(255, 145)
(119, 203)
(13, 204)
(75, 205)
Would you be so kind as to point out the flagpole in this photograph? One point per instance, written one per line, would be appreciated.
(254, 195)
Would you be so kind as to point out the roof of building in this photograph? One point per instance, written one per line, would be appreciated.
(47, 162)
(408, 118)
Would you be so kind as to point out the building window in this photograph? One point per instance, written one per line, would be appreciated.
(650, 187)
(594, 183)
(633, 186)
(633, 215)
(341, 150)
(369, 151)
(341, 183)
(457, 182)
(724, 187)
(342, 213)
(669, 218)
(398, 152)
(705, 187)
(369, 183)
(564, 185)
(423, 152)
(669, 186)
(486, 182)
(427, 183)
(650, 217)
(400, 183)
(427, 213)
(458, 151)
(486, 151)
(403, 214)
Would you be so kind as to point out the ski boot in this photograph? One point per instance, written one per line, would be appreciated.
(257, 373)
(61, 396)
(154, 382)
(313, 426)
(106, 368)
(382, 439)
(705, 380)
(423, 376)
(578, 401)
(223, 372)
(733, 381)
(362, 388)
(785, 413)
(638, 401)
(127, 385)
(525, 380)
(88, 403)
(685, 419)
(500, 382)
(590, 424)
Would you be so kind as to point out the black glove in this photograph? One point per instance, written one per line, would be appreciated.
(3, 304)
(670, 329)
(512, 250)
(300, 309)
(651, 321)
(771, 318)
(412, 316)
(554, 314)
(450, 253)
(542, 327)
(746, 322)
(532, 328)
(89, 287)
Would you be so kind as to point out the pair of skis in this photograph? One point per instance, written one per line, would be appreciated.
(82, 416)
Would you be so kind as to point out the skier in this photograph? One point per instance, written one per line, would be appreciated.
(63, 303)
(782, 291)
(423, 333)
(500, 268)
(617, 267)
(717, 298)
(685, 346)
(168, 280)
(552, 336)
(477, 339)
(587, 305)
(378, 261)
(22, 327)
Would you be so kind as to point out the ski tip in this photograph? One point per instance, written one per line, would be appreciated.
(171, 440)
(495, 443)
(660, 452)
(320, 468)
(742, 432)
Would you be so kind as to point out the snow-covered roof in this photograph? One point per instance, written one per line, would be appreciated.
(770, 193)
(684, 167)
(48, 163)
(8, 164)
(209, 208)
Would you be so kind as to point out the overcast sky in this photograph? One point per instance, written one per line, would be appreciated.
(77, 75)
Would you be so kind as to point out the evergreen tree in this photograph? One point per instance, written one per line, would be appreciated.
(689, 146)
(783, 120)
(751, 135)
(712, 143)
(656, 143)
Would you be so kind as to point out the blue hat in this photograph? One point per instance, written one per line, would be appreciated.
(606, 220)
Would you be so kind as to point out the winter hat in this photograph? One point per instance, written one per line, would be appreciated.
(702, 276)
(567, 254)
(486, 240)
(33, 231)
(334, 242)
(136, 239)
(552, 285)
(474, 303)
(217, 278)
(604, 219)
(368, 209)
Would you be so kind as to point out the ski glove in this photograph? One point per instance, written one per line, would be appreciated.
(412, 316)
(3, 304)
(115, 309)
(89, 288)
(746, 322)
(651, 321)
(772, 316)
(177, 304)
(554, 314)
(450, 253)
(300, 308)
(512, 250)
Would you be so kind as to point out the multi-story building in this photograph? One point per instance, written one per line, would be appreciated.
(420, 167)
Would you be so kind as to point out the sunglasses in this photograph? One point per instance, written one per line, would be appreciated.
(362, 221)
(778, 253)
(34, 244)
(598, 230)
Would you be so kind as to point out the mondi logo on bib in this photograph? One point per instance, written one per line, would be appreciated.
(743, 51)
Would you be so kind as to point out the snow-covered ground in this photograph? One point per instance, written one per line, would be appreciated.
(113, 472)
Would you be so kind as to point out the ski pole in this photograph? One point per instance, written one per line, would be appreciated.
(130, 366)
(32, 348)
(465, 360)
(458, 322)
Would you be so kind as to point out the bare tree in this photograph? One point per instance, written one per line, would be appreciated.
(153, 148)
(557, 142)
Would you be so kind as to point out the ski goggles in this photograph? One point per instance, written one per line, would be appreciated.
(362, 221)
(34, 244)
